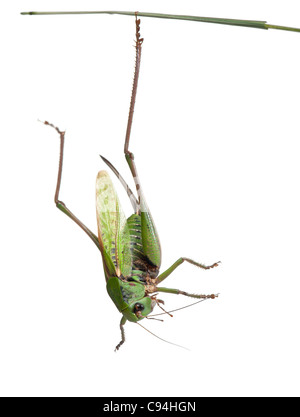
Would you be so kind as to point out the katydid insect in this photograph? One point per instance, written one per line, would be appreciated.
(130, 248)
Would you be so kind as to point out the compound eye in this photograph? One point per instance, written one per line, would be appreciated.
(138, 307)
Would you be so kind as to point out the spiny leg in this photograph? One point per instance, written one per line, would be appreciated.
(150, 239)
(129, 155)
(123, 321)
(60, 204)
(138, 52)
(179, 292)
(169, 271)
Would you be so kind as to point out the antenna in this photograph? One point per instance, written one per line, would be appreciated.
(181, 308)
(171, 343)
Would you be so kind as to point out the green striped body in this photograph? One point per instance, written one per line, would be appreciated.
(126, 295)
(130, 251)
(142, 267)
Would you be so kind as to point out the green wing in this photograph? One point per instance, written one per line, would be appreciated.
(151, 244)
(113, 230)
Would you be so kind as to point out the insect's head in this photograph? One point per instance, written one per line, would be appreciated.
(130, 298)
(140, 309)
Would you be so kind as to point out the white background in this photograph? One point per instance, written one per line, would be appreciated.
(216, 137)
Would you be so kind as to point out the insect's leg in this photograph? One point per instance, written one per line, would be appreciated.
(60, 204)
(123, 321)
(169, 271)
(177, 292)
(150, 240)
(138, 52)
(128, 155)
